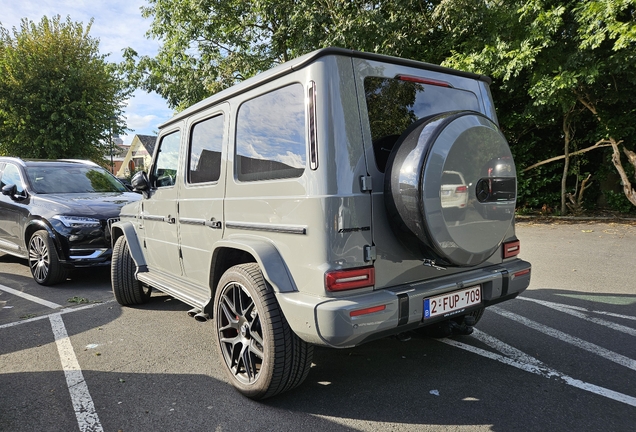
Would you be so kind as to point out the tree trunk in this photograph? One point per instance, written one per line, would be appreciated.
(567, 131)
(628, 190)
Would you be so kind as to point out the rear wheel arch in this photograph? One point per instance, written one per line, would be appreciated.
(243, 251)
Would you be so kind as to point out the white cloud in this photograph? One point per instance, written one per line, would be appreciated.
(117, 24)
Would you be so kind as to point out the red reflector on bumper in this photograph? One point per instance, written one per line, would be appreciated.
(367, 310)
(521, 273)
(511, 249)
(342, 280)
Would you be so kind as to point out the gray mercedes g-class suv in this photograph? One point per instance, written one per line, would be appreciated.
(335, 199)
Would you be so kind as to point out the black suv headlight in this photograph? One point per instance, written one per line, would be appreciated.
(78, 221)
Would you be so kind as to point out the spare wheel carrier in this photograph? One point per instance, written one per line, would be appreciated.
(467, 231)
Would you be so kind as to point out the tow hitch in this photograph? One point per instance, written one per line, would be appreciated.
(451, 327)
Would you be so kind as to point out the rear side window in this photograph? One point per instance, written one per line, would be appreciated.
(270, 136)
(206, 144)
(393, 105)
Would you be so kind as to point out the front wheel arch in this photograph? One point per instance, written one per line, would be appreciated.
(44, 261)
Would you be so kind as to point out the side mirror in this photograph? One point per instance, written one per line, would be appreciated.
(9, 190)
(140, 183)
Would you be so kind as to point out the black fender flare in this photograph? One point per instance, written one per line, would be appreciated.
(126, 229)
(272, 264)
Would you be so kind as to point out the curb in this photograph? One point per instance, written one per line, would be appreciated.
(618, 219)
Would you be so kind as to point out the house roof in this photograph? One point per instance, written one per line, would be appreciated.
(148, 141)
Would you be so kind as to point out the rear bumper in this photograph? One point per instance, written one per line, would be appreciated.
(327, 321)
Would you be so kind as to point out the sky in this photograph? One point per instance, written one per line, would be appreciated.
(118, 24)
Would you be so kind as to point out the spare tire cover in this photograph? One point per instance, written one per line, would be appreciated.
(461, 220)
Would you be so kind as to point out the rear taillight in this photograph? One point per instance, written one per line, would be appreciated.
(421, 80)
(461, 189)
(342, 280)
(511, 249)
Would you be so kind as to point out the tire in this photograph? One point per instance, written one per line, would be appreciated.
(466, 142)
(126, 288)
(261, 354)
(43, 260)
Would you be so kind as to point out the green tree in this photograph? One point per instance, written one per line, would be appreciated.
(574, 61)
(209, 45)
(564, 70)
(59, 98)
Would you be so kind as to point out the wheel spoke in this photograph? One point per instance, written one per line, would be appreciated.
(230, 316)
(239, 332)
(255, 331)
(39, 270)
(230, 341)
(248, 363)
(39, 258)
(256, 348)
(225, 300)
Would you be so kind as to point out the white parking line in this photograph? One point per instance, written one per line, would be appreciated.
(61, 312)
(530, 364)
(85, 413)
(564, 337)
(30, 297)
(571, 311)
(87, 418)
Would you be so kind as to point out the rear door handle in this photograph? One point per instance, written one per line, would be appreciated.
(214, 224)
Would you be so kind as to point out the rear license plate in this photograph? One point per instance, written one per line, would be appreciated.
(452, 302)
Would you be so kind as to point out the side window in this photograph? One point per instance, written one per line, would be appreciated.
(206, 143)
(165, 169)
(11, 175)
(270, 136)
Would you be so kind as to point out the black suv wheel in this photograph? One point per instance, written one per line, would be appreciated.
(43, 260)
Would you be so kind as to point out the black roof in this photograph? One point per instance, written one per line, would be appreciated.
(300, 62)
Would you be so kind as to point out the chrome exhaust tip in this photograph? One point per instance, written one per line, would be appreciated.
(193, 312)
(202, 317)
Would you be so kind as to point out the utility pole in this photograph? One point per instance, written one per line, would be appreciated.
(112, 163)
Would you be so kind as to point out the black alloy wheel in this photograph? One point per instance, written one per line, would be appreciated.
(262, 355)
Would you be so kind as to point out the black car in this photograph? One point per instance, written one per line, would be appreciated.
(58, 214)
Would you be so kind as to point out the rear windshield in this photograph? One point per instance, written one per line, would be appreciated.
(394, 105)
(72, 179)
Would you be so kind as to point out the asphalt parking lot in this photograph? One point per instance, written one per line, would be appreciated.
(560, 357)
